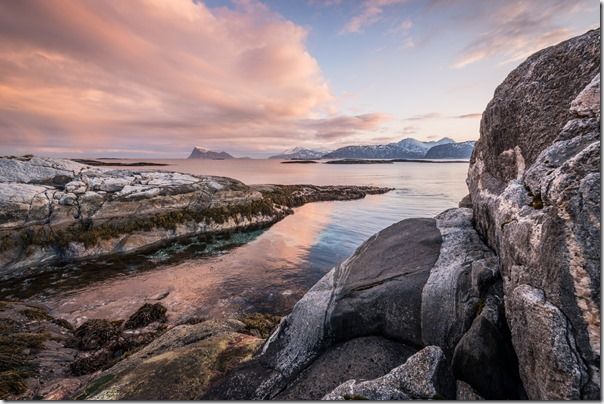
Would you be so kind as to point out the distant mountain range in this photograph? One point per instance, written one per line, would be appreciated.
(205, 154)
(408, 148)
(462, 150)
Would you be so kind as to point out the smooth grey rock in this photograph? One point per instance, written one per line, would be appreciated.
(378, 289)
(423, 376)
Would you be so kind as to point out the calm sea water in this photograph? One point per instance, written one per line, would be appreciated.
(264, 271)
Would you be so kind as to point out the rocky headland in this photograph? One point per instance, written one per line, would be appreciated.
(496, 299)
(58, 210)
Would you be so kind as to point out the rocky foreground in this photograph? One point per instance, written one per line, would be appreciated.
(497, 299)
(58, 210)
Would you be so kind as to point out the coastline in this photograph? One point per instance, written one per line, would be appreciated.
(62, 211)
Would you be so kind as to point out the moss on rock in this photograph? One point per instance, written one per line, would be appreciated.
(261, 324)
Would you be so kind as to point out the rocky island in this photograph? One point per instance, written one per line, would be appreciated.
(496, 299)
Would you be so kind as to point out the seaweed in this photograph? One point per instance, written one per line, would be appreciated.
(148, 313)
(261, 324)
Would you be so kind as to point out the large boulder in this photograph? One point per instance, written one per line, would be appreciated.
(418, 282)
(534, 181)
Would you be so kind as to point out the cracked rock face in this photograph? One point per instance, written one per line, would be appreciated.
(535, 184)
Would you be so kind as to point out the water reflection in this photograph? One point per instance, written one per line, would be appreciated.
(269, 273)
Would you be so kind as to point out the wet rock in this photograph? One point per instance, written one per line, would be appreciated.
(178, 365)
(90, 363)
(160, 295)
(423, 376)
(145, 315)
(60, 389)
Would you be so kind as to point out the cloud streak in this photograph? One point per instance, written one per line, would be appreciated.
(516, 29)
(371, 12)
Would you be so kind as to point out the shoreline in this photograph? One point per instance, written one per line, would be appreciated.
(61, 211)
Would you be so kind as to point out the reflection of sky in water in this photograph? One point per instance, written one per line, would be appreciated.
(275, 269)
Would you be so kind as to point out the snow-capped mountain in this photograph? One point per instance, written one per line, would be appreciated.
(299, 153)
(406, 148)
(202, 153)
(462, 150)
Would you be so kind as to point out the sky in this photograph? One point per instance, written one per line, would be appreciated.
(154, 78)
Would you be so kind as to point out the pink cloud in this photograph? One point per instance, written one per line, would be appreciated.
(339, 127)
(112, 75)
